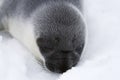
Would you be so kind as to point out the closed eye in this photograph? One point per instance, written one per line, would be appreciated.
(80, 49)
(46, 49)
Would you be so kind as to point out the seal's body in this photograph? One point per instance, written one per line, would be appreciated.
(53, 30)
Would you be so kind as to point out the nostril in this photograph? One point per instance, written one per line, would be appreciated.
(58, 68)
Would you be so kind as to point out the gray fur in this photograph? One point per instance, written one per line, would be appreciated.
(29, 6)
(59, 29)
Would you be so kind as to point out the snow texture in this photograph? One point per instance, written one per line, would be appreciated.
(101, 58)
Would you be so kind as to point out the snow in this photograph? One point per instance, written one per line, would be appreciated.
(100, 60)
(16, 63)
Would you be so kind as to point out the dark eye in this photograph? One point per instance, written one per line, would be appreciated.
(80, 49)
(46, 49)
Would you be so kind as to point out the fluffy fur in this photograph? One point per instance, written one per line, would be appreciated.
(53, 30)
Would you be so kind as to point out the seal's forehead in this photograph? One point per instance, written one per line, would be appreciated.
(59, 20)
(57, 14)
(63, 33)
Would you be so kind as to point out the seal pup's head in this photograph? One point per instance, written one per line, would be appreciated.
(60, 35)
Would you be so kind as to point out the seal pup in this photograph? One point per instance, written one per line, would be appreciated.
(53, 30)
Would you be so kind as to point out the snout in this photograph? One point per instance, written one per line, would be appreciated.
(58, 66)
(61, 63)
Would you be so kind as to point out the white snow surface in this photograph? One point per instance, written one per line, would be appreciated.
(100, 60)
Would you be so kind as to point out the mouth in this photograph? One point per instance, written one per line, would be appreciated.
(60, 65)
(57, 68)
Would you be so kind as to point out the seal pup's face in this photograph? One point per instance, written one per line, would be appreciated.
(60, 53)
(60, 34)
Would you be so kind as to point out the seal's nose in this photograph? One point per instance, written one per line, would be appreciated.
(61, 61)
(58, 68)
